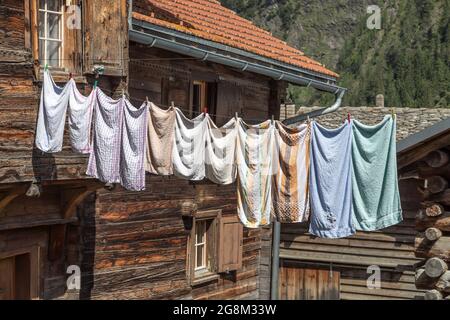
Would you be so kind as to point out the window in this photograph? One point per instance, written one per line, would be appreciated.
(203, 97)
(203, 246)
(50, 22)
(201, 255)
(199, 96)
(215, 246)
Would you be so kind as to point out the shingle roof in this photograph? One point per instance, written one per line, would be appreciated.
(209, 20)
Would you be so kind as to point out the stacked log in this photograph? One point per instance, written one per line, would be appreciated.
(433, 224)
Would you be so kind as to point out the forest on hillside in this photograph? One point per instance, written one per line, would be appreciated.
(407, 60)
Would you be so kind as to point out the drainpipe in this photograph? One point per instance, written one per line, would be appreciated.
(275, 260)
(301, 117)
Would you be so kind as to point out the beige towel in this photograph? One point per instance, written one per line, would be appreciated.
(160, 135)
(291, 167)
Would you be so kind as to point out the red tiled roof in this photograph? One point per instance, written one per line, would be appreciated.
(209, 20)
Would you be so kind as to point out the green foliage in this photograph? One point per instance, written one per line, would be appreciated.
(411, 67)
(408, 60)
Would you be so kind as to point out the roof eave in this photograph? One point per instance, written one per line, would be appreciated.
(193, 46)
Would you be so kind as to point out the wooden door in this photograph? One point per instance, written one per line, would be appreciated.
(7, 278)
(308, 284)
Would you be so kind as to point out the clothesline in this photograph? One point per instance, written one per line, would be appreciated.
(340, 180)
(139, 101)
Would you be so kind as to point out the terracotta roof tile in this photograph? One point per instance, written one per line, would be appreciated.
(209, 20)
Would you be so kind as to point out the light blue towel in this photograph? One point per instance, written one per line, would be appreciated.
(376, 198)
(330, 182)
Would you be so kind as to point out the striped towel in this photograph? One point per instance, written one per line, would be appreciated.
(220, 152)
(189, 146)
(52, 114)
(254, 165)
(291, 164)
(160, 135)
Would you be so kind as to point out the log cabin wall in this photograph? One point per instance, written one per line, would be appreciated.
(41, 233)
(429, 165)
(20, 87)
(392, 249)
(165, 77)
(404, 252)
(134, 244)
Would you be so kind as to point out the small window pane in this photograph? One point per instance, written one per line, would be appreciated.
(53, 25)
(199, 254)
(54, 5)
(200, 230)
(42, 4)
(53, 53)
(41, 24)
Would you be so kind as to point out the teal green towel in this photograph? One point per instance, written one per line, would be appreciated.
(376, 198)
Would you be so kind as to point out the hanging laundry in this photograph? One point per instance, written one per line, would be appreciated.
(376, 198)
(330, 182)
(134, 134)
(220, 152)
(52, 114)
(80, 119)
(291, 164)
(104, 160)
(189, 146)
(160, 139)
(254, 153)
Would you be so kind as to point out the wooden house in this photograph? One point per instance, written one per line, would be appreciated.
(399, 256)
(176, 239)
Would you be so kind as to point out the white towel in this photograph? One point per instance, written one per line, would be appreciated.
(220, 152)
(134, 134)
(80, 119)
(189, 146)
(104, 160)
(52, 114)
(254, 153)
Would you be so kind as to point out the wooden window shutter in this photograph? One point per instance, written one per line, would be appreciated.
(230, 244)
(106, 36)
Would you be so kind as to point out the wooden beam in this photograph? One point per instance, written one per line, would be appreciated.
(14, 193)
(435, 267)
(34, 35)
(421, 151)
(441, 222)
(36, 223)
(76, 199)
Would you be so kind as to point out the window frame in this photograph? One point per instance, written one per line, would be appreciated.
(203, 96)
(208, 272)
(72, 48)
(46, 39)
